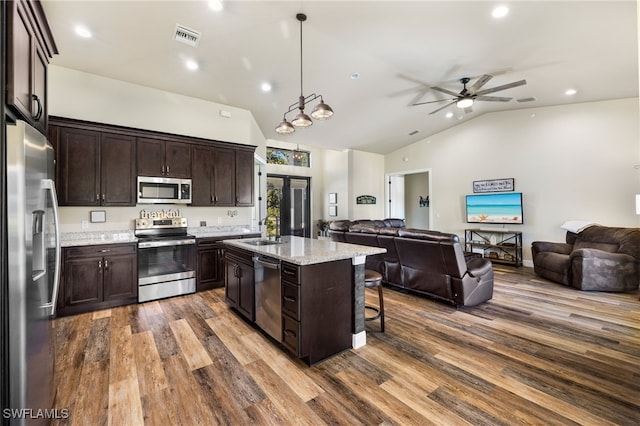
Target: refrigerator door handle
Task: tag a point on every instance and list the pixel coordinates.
(49, 184)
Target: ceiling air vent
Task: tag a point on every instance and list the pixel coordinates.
(530, 99)
(186, 35)
(414, 132)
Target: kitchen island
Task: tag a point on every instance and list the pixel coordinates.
(321, 300)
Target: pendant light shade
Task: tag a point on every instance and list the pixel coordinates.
(321, 111)
(302, 120)
(285, 127)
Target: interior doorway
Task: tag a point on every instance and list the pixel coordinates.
(289, 200)
(409, 197)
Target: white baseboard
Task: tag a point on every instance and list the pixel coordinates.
(359, 340)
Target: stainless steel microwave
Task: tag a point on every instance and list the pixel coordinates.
(157, 190)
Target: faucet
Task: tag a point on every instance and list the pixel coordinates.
(277, 218)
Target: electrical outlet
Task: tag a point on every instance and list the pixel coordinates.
(203, 223)
(84, 224)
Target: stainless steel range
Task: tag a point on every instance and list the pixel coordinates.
(166, 256)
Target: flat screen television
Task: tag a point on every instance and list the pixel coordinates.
(502, 208)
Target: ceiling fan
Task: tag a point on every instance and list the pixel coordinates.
(467, 96)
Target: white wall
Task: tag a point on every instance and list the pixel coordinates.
(572, 162)
(366, 177)
(336, 180)
(84, 96)
(416, 185)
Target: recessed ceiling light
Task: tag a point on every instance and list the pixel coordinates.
(570, 92)
(191, 65)
(354, 76)
(83, 31)
(449, 114)
(500, 12)
(216, 5)
(266, 86)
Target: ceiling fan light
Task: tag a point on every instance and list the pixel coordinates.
(464, 103)
(302, 120)
(322, 111)
(285, 127)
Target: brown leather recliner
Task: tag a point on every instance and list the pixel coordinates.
(599, 258)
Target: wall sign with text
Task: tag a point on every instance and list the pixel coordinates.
(365, 199)
(494, 185)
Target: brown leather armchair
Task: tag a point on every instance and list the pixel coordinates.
(599, 258)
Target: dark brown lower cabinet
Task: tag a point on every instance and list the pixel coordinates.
(211, 261)
(210, 264)
(317, 309)
(239, 288)
(98, 277)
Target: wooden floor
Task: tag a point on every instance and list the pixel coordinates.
(537, 353)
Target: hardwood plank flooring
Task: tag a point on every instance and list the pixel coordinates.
(538, 354)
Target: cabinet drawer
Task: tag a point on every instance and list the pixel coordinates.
(290, 273)
(291, 300)
(210, 242)
(99, 250)
(291, 334)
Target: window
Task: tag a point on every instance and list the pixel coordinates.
(288, 157)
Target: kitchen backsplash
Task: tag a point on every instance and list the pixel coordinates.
(78, 219)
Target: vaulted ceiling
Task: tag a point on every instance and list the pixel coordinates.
(398, 49)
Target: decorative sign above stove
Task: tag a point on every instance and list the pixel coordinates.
(162, 214)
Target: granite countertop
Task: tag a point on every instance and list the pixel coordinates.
(306, 251)
(70, 239)
(87, 238)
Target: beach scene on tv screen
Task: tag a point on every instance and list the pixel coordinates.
(494, 208)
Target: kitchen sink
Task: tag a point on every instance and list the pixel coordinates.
(262, 242)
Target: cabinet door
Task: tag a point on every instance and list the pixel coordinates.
(246, 291)
(232, 284)
(210, 268)
(39, 95)
(178, 160)
(20, 48)
(118, 170)
(83, 281)
(224, 177)
(244, 178)
(120, 277)
(79, 167)
(202, 178)
(150, 157)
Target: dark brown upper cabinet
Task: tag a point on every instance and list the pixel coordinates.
(30, 46)
(95, 168)
(222, 177)
(162, 158)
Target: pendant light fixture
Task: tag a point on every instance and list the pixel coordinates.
(322, 111)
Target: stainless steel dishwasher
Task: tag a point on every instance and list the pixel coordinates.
(268, 298)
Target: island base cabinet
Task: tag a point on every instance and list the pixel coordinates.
(239, 282)
(317, 309)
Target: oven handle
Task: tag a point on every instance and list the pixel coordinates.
(151, 244)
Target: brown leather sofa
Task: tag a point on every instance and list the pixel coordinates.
(599, 258)
(421, 261)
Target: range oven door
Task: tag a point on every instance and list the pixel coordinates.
(166, 267)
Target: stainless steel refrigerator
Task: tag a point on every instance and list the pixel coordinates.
(34, 272)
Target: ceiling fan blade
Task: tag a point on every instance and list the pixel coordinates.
(479, 83)
(448, 92)
(433, 102)
(503, 87)
(492, 98)
(441, 108)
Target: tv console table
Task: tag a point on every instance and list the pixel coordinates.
(496, 245)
